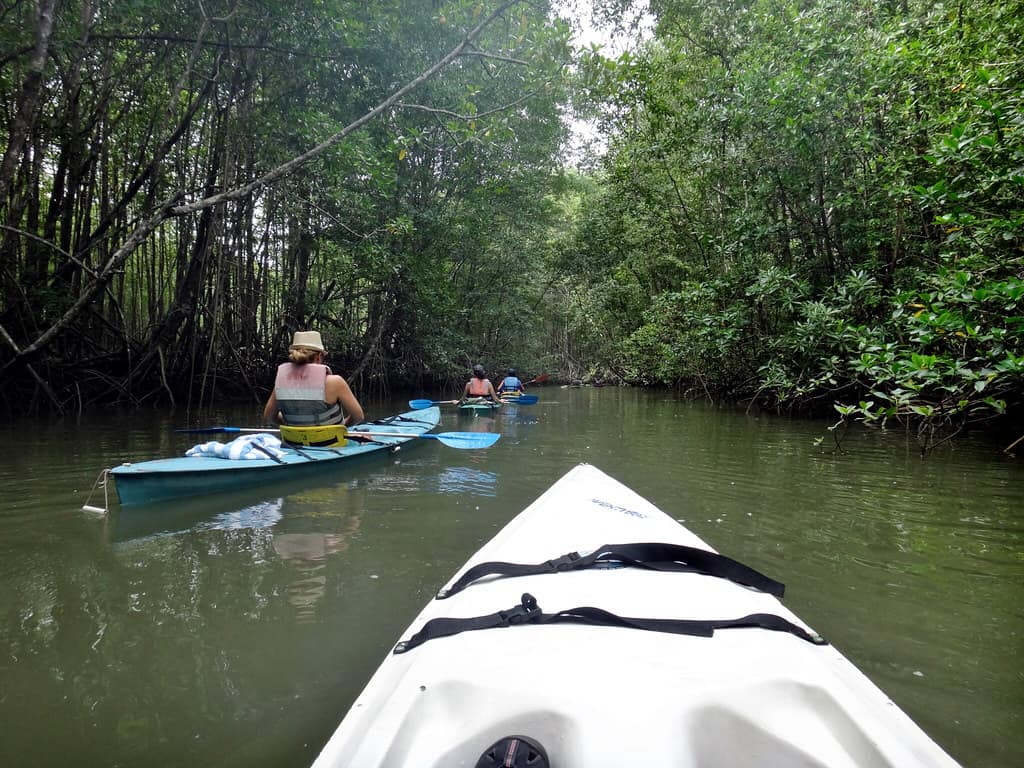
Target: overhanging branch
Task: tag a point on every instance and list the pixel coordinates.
(174, 207)
(461, 116)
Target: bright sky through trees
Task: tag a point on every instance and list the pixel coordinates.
(614, 40)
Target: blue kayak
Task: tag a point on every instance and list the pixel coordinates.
(161, 479)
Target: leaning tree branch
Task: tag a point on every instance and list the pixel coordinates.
(43, 384)
(459, 115)
(295, 163)
(496, 56)
(104, 275)
(70, 257)
(174, 206)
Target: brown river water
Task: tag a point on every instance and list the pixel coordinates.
(235, 630)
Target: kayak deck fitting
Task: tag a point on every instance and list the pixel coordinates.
(616, 684)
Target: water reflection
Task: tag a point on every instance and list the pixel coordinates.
(467, 480)
(145, 632)
(306, 552)
(516, 423)
(426, 477)
(178, 516)
(262, 515)
(478, 422)
(272, 529)
(388, 480)
(512, 422)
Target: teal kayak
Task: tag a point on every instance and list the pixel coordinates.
(555, 647)
(145, 482)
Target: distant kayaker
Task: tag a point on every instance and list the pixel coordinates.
(511, 384)
(479, 386)
(306, 393)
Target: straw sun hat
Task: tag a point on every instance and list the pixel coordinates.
(308, 340)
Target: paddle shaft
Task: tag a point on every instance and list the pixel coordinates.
(349, 432)
(419, 405)
(451, 439)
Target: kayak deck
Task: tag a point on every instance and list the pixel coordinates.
(479, 405)
(161, 479)
(608, 696)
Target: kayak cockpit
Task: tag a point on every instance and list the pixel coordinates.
(586, 712)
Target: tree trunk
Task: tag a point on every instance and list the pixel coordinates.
(26, 115)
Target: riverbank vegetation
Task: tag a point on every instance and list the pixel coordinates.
(815, 206)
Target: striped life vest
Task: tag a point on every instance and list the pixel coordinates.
(300, 392)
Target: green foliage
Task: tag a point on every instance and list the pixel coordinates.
(814, 203)
(416, 244)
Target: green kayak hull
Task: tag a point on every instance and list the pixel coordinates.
(482, 407)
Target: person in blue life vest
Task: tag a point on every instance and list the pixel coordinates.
(511, 384)
(306, 392)
(479, 387)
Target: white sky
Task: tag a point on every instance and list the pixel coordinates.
(585, 138)
(579, 14)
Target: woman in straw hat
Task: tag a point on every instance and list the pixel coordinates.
(306, 393)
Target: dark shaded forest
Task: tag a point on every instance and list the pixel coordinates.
(185, 184)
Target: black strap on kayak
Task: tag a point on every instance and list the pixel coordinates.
(297, 447)
(528, 612)
(652, 556)
(355, 437)
(391, 420)
(264, 450)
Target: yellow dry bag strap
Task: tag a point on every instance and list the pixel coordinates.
(328, 435)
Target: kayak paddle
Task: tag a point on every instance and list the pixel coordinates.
(223, 430)
(466, 440)
(539, 379)
(463, 440)
(419, 405)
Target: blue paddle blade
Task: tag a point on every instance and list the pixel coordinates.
(419, 405)
(466, 440)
